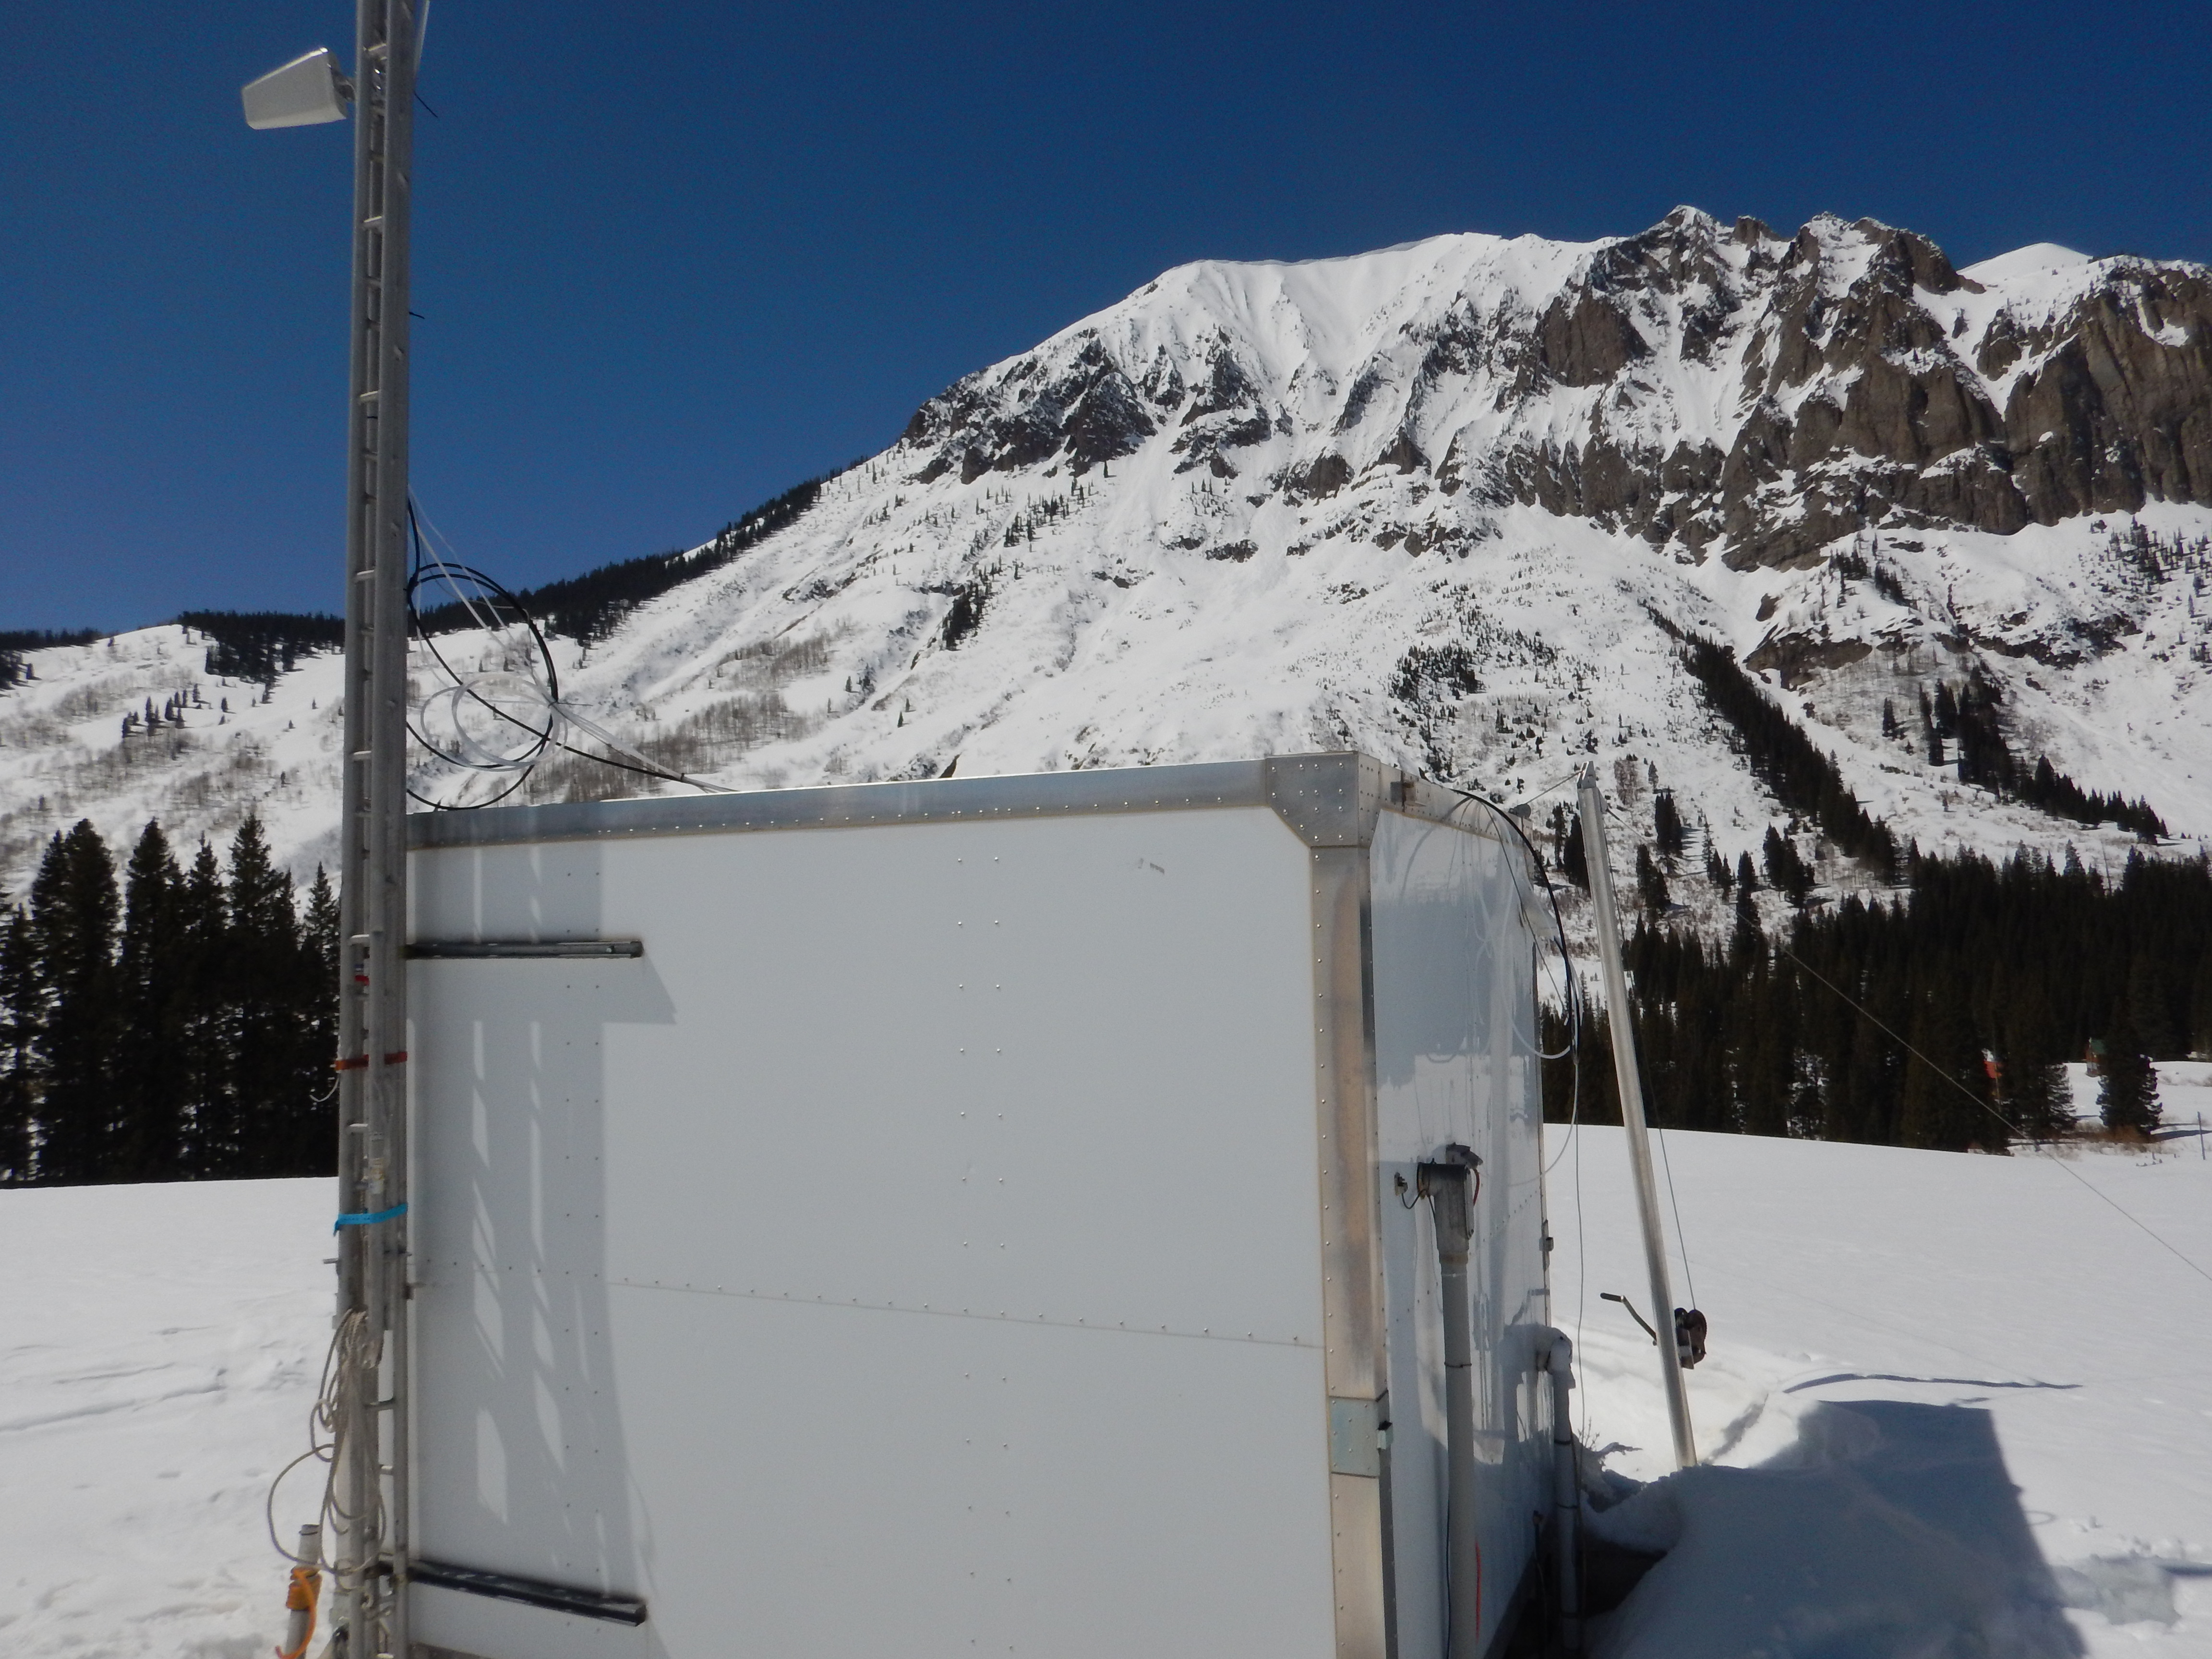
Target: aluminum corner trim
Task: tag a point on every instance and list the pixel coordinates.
(1330, 801)
(1355, 1516)
(1344, 1072)
(1339, 799)
(1352, 1298)
(1327, 800)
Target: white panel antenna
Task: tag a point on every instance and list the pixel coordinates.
(304, 92)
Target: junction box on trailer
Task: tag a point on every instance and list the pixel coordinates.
(968, 1217)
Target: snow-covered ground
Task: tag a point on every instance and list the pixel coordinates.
(1899, 1338)
(159, 1350)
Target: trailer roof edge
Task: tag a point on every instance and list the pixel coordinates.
(1330, 799)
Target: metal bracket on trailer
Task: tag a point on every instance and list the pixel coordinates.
(448, 950)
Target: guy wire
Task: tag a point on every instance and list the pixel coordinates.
(1681, 1239)
(1991, 1110)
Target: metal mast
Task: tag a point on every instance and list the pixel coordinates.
(371, 1547)
(1600, 859)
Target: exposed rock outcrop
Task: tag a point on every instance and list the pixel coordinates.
(1722, 390)
(1864, 398)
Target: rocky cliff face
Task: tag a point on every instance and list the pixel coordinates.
(1727, 390)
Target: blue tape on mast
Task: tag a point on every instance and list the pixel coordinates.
(367, 1218)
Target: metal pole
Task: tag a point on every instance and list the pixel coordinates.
(371, 1553)
(1592, 802)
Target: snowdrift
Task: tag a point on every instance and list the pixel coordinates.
(1954, 1405)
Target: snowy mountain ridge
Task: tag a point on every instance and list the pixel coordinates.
(1451, 502)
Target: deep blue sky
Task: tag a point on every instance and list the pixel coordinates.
(673, 257)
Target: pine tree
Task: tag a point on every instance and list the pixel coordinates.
(149, 1085)
(1601, 1101)
(268, 1025)
(1762, 1031)
(1651, 884)
(1866, 1070)
(316, 1148)
(2149, 1009)
(21, 1009)
(2036, 1095)
(73, 921)
(2129, 1100)
(1577, 863)
(1785, 868)
(1716, 871)
(320, 935)
(1944, 1081)
(211, 1131)
(1748, 939)
(1803, 778)
(1668, 829)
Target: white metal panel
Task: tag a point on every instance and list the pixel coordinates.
(705, 1233)
(518, 1435)
(1455, 1061)
(480, 1628)
(1013, 1068)
(937, 1485)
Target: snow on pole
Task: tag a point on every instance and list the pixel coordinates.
(1631, 1109)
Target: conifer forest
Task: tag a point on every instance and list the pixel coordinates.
(1934, 1004)
(175, 1019)
(1939, 1017)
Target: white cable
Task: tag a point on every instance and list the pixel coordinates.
(345, 1358)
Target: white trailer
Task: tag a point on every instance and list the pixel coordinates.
(981, 1216)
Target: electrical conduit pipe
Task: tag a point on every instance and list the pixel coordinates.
(1450, 1183)
(1446, 1183)
(1555, 1355)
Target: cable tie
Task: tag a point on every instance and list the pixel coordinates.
(396, 1057)
(367, 1218)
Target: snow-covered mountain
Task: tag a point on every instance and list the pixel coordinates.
(1451, 502)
